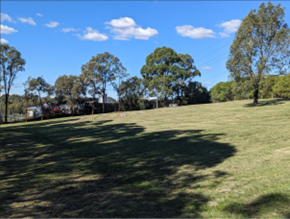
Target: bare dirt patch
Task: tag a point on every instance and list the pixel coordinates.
(102, 116)
(80, 119)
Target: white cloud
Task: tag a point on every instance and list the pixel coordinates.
(52, 24)
(6, 17)
(2, 40)
(27, 20)
(69, 29)
(125, 28)
(195, 33)
(91, 34)
(208, 83)
(123, 22)
(206, 68)
(229, 27)
(7, 30)
(38, 14)
(223, 35)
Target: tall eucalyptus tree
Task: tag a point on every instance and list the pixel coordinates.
(261, 46)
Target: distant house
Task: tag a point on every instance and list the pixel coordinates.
(101, 98)
(149, 98)
(34, 112)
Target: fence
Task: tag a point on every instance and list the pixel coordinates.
(15, 117)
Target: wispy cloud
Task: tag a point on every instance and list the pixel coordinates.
(207, 83)
(7, 30)
(125, 28)
(229, 27)
(27, 20)
(194, 32)
(6, 17)
(69, 29)
(2, 40)
(91, 34)
(52, 24)
(206, 68)
(38, 14)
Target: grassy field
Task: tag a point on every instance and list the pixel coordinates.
(212, 160)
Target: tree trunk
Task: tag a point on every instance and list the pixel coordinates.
(93, 105)
(119, 101)
(26, 111)
(157, 103)
(103, 107)
(6, 107)
(256, 95)
(41, 107)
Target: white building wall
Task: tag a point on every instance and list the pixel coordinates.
(101, 98)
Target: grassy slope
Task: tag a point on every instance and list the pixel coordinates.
(213, 160)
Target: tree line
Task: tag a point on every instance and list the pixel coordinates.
(259, 56)
(166, 76)
(271, 86)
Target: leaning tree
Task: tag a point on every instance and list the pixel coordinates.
(10, 64)
(261, 46)
(104, 68)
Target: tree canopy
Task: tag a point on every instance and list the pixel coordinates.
(69, 88)
(104, 68)
(165, 68)
(10, 64)
(261, 46)
(40, 86)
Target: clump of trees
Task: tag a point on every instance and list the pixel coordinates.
(271, 86)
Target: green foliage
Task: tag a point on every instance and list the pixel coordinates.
(165, 70)
(102, 70)
(69, 89)
(266, 86)
(282, 86)
(261, 46)
(10, 64)
(39, 86)
(194, 93)
(222, 92)
(132, 93)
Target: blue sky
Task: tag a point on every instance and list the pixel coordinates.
(57, 38)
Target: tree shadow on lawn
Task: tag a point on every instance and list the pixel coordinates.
(275, 203)
(268, 102)
(106, 170)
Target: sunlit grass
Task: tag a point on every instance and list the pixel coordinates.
(211, 160)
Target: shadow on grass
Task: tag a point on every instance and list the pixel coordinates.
(275, 203)
(98, 169)
(269, 102)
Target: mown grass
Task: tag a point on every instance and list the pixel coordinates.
(211, 160)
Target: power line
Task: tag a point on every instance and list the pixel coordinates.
(214, 76)
(219, 58)
(209, 47)
(213, 52)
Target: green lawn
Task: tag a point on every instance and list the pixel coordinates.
(212, 160)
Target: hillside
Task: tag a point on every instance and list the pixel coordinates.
(209, 160)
